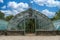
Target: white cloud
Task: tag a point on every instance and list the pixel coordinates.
(16, 5)
(6, 11)
(3, 7)
(48, 13)
(1, 1)
(40, 2)
(15, 8)
(12, 4)
(22, 5)
(31, 1)
(53, 3)
(49, 3)
(9, 12)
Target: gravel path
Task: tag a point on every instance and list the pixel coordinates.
(29, 37)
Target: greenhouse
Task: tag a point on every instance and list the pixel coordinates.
(30, 21)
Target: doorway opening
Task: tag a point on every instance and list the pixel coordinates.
(30, 26)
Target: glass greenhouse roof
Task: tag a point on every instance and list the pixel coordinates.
(3, 24)
(57, 24)
(42, 22)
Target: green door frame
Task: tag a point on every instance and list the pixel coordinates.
(25, 25)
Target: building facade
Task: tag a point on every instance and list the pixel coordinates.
(30, 21)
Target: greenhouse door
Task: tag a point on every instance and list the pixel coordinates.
(30, 26)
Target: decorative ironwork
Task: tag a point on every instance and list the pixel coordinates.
(41, 22)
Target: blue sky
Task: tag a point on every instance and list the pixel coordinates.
(13, 7)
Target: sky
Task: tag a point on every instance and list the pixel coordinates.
(13, 7)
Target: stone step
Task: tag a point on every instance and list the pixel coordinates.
(31, 34)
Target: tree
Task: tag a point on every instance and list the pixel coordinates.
(57, 16)
(9, 17)
(2, 15)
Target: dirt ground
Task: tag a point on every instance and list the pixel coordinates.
(29, 37)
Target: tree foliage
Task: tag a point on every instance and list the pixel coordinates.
(57, 16)
(9, 17)
(2, 15)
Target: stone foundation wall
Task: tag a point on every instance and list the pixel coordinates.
(46, 33)
(11, 33)
(15, 33)
(37, 33)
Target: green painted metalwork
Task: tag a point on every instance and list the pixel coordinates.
(42, 22)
